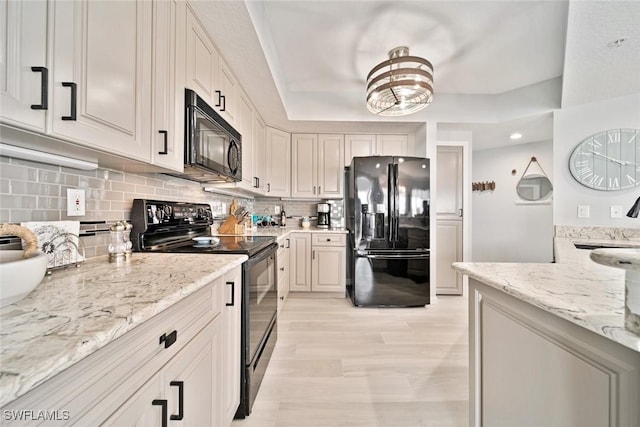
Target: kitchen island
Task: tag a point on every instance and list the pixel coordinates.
(69, 323)
(548, 346)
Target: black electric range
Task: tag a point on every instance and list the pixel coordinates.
(171, 227)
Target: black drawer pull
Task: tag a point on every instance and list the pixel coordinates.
(163, 403)
(180, 385)
(164, 132)
(74, 100)
(168, 340)
(44, 88)
(219, 98)
(233, 293)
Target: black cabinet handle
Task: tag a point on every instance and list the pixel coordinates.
(44, 88)
(180, 385)
(224, 103)
(268, 188)
(219, 98)
(163, 403)
(168, 340)
(258, 178)
(74, 100)
(281, 268)
(166, 146)
(288, 243)
(256, 182)
(233, 293)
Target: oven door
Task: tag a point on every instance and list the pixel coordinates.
(262, 299)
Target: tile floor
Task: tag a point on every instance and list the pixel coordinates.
(337, 365)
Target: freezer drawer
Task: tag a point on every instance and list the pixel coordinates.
(391, 280)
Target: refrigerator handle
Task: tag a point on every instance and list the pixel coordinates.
(391, 202)
(396, 201)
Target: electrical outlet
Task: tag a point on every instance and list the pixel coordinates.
(75, 202)
(583, 211)
(277, 210)
(615, 211)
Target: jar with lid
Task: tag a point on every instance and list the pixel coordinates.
(120, 243)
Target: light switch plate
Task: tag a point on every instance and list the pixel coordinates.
(616, 211)
(75, 202)
(583, 211)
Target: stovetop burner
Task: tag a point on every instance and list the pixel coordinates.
(163, 226)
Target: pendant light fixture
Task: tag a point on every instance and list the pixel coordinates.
(401, 85)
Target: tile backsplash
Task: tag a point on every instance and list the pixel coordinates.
(31, 191)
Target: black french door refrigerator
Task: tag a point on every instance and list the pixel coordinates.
(387, 210)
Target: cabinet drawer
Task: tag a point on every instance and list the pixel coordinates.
(101, 379)
(328, 239)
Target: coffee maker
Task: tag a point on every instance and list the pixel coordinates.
(324, 220)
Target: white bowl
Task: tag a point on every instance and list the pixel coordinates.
(19, 276)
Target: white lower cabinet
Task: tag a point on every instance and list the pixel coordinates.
(179, 368)
(282, 263)
(231, 345)
(317, 262)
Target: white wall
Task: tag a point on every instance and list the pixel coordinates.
(503, 229)
(572, 125)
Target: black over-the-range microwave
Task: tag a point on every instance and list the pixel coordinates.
(213, 148)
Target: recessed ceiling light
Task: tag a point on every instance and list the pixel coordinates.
(618, 42)
(515, 135)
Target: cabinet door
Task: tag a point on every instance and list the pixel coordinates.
(283, 272)
(167, 145)
(300, 262)
(278, 163)
(228, 87)
(139, 410)
(23, 45)
(328, 269)
(392, 145)
(260, 154)
(201, 60)
(245, 127)
(330, 161)
(449, 165)
(192, 382)
(101, 75)
(304, 165)
(231, 345)
(358, 146)
(449, 244)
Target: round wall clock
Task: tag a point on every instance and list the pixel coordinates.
(608, 160)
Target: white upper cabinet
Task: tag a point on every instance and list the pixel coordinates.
(330, 155)
(24, 77)
(392, 145)
(101, 69)
(304, 165)
(245, 127)
(317, 165)
(278, 163)
(227, 92)
(375, 145)
(259, 154)
(358, 146)
(167, 136)
(201, 61)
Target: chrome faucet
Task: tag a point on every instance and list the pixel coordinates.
(635, 209)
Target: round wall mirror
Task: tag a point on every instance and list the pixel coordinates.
(534, 187)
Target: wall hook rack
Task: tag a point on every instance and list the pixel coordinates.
(483, 186)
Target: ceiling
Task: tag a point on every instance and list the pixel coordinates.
(499, 66)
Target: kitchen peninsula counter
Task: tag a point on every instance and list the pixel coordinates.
(75, 312)
(548, 345)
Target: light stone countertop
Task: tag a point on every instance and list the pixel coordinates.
(77, 311)
(574, 288)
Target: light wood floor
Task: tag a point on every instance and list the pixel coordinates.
(338, 365)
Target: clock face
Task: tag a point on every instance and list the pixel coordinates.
(608, 160)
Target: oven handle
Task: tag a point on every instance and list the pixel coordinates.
(270, 250)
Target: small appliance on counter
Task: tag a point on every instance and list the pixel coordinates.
(324, 215)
